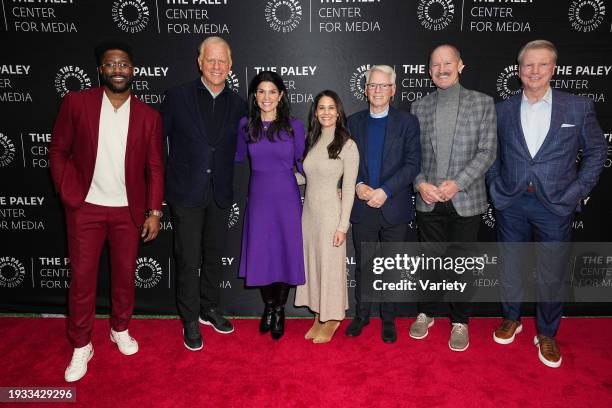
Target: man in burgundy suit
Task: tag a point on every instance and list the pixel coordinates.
(106, 164)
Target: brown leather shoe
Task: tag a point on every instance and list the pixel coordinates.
(505, 332)
(548, 351)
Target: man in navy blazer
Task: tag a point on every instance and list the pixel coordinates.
(536, 186)
(200, 121)
(389, 160)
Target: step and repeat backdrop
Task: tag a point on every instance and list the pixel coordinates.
(47, 51)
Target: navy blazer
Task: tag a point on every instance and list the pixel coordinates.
(196, 159)
(559, 183)
(401, 163)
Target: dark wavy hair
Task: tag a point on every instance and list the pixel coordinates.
(254, 127)
(341, 134)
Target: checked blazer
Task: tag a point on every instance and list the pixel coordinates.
(472, 152)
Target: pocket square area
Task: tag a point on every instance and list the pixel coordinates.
(567, 125)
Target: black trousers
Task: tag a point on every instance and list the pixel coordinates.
(443, 224)
(199, 242)
(374, 228)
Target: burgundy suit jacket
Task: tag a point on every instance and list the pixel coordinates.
(74, 146)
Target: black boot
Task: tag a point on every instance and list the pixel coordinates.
(278, 317)
(267, 293)
(278, 322)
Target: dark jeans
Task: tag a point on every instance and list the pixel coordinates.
(526, 220)
(199, 242)
(443, 224)
(374, 228)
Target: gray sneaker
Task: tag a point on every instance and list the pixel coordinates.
(419, 329)
(459, 338)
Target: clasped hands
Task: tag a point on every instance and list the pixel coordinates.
(375, 197)
(437, 194)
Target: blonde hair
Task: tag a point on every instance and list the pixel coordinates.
(214, 40)
(537, 45)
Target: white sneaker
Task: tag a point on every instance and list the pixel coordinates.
(78, 365)
(126, 343)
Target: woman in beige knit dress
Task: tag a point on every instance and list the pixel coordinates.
(330, 156)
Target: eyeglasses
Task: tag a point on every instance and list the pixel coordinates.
(113, 65)
(384, 87)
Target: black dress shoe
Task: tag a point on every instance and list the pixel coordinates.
(389, 334)
(192, 336)
(277, 326)
(356, 326)
(266, 318)
(214, 318)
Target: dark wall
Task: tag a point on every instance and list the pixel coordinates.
(48, 50)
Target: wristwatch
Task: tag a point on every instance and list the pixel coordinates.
(156, 213)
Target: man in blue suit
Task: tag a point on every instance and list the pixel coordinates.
(389, 160)
(200, 122)
(536, 186)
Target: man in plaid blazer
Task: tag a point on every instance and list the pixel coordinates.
(458, 144)
(536, 187)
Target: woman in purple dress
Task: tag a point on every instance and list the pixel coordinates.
(272, 254)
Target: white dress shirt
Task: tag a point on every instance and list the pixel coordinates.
(535, 121)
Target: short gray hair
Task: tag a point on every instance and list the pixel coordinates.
(385, 69)
(537, 44)
(215, 40)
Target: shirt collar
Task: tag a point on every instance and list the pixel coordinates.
(546, 98)
(213, 94)
(379, 115)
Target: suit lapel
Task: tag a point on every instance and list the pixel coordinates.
(518, 126)
(133, 129)
(556, 118)
(193, 106)
(429, 108)
(362, 125)
(94, 108)
(390, 134)
(463, 112)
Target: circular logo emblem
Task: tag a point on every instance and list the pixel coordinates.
(283, 15)
(7, 151)
(488, 217)
(586, 15)
(148, 273)
(232, 81)
(357, 82)
(12, 272)
(71, 78)
(435, 15)
(234, 215)
(508, 82)
(132, 16)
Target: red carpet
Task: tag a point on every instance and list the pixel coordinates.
(249, 369)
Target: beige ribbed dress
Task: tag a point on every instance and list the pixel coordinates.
(325, 290)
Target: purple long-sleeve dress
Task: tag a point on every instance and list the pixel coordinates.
(272, 249)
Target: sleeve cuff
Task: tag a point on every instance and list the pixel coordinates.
(386, 190)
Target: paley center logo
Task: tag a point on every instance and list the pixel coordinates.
(148, 273)
(232, 81)
(131, 16)
(71, 78)
(507, 81)
(357, 82)
(7, 150)
(12, 272)
(234, 215)
(283, 15)
(586, 15)
(489, 217)
(435, 15)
